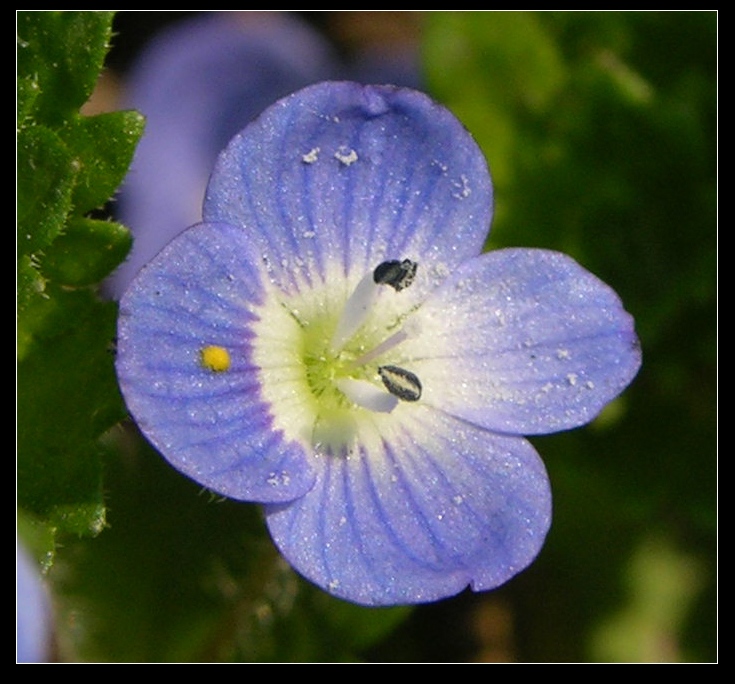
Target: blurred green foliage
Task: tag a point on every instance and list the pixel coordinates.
(600, 131)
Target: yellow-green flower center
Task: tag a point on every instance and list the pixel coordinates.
(325, 359)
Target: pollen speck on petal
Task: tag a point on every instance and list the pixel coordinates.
(311, 156)
(199, 405)
(215, 358)
(346, 155)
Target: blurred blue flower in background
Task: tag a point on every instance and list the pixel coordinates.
(200, 82)
(33, 612)
(331, 343)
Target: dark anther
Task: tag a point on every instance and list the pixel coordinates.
(400, 382)
(398, 274)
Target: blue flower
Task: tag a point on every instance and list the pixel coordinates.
(330, 342)
(33, 610)
(200, 82)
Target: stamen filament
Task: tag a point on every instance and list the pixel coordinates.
(367, 395)
(355, 311)
(394, 340)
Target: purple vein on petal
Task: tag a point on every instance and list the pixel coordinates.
(400, 542)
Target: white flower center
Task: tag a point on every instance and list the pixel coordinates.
(330, 356)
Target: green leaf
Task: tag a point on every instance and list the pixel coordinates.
(46, 175)
(28, 90)
(68, 165)
(30, 284)
(479, 45)
(103, 147)
(63, 52)
(358, 627)
(87, 252)
(496, 71)
(67, 396)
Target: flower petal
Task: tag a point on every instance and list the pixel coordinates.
(198, 83)
(185, 369)
(423, 508)
(356, 175)
(34, 619)
(523, 341)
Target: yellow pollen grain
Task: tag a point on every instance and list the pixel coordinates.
(214, 358)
